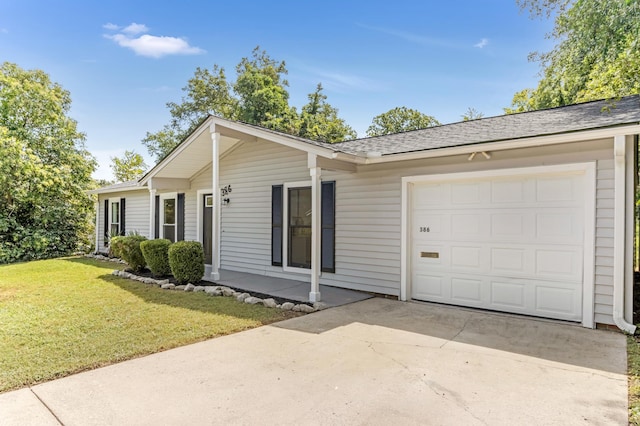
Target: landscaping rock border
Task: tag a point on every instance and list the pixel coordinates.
(105, 258)
(223, 291)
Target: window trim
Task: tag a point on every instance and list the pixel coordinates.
(163, 197)
(112, 201)
(285, 226)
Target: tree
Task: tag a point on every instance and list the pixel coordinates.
(128, 167)
(44, 169)
(400, 119)
(258, 96)
(471, 114)
(320, 121)
(521, 102)
(597, 55)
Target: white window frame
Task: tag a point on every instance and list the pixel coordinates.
(163, 197)
(285, 227)
(113, 201)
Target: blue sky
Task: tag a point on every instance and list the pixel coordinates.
(123, 61)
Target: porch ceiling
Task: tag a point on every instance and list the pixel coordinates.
(195, 156)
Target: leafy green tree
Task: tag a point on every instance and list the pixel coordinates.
(400, 119)
(521, 102)
(258, 96)
(597, 54)
(45, 169)
(128, 167)
(320, 121)
(471, 114)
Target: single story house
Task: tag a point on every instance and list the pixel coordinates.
(530, 213)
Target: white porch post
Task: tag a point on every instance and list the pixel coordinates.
(215, 184)
(316, 186)
(97, 248)
(152, 213)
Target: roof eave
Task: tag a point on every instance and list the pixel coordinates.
(578, 136)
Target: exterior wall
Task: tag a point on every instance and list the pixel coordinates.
(251, 169)
(368, 210)
(368, 214)
(136, 213)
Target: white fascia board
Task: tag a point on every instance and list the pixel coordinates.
(181, 147)
(107, 190)
(272, 137)
(579, 136)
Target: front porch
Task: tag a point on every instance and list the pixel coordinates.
(287, 288)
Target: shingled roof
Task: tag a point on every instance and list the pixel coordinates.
(566, 119)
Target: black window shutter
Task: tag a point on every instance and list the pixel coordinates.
(180, 218)
(156, 222)
(328, 226)
(122, 216)
(106, 222)
(276, 224)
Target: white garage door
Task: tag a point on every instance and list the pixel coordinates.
(510, 243)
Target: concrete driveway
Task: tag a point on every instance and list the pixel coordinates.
(372, 362)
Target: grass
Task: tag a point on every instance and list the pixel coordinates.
(63, 316)
(633, 365)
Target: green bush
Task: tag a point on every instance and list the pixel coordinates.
(128, 249)
(116, 245)
(156, 254)
(186, 259)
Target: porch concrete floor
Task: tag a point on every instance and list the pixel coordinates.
(288, 289)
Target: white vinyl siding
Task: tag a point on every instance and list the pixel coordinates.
(136, 213)
(368, 210)
(251, 169)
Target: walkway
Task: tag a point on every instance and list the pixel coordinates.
(288, 289)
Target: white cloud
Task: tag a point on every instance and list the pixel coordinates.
(482, 43)
(111, 27)
(150, 45)
(134, 29)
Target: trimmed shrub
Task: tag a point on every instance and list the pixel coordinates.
(128, 249)
(186, 259)
(116, 245)
(156, 254)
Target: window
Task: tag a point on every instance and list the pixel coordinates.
(114, 218)
(299, 227)
(169, 219)
(291, 226)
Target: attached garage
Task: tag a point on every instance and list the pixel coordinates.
(515, 240)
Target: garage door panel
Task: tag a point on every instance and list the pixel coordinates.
(565, 264)
(467, 193)
(431, 287)
(508, 243)
(558, 302)
(509, 295)
(466, 257)
(508, 192)
(558, 189)
(508, 260)
(467, 291)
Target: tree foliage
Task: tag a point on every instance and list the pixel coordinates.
(597, 54)
(471, 114)
(128, 167)
(400, 119)
(44, 168)
(257, 96)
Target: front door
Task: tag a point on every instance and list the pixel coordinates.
(207, 201)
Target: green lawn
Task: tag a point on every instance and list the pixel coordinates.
(62, 316)
(633, 363)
